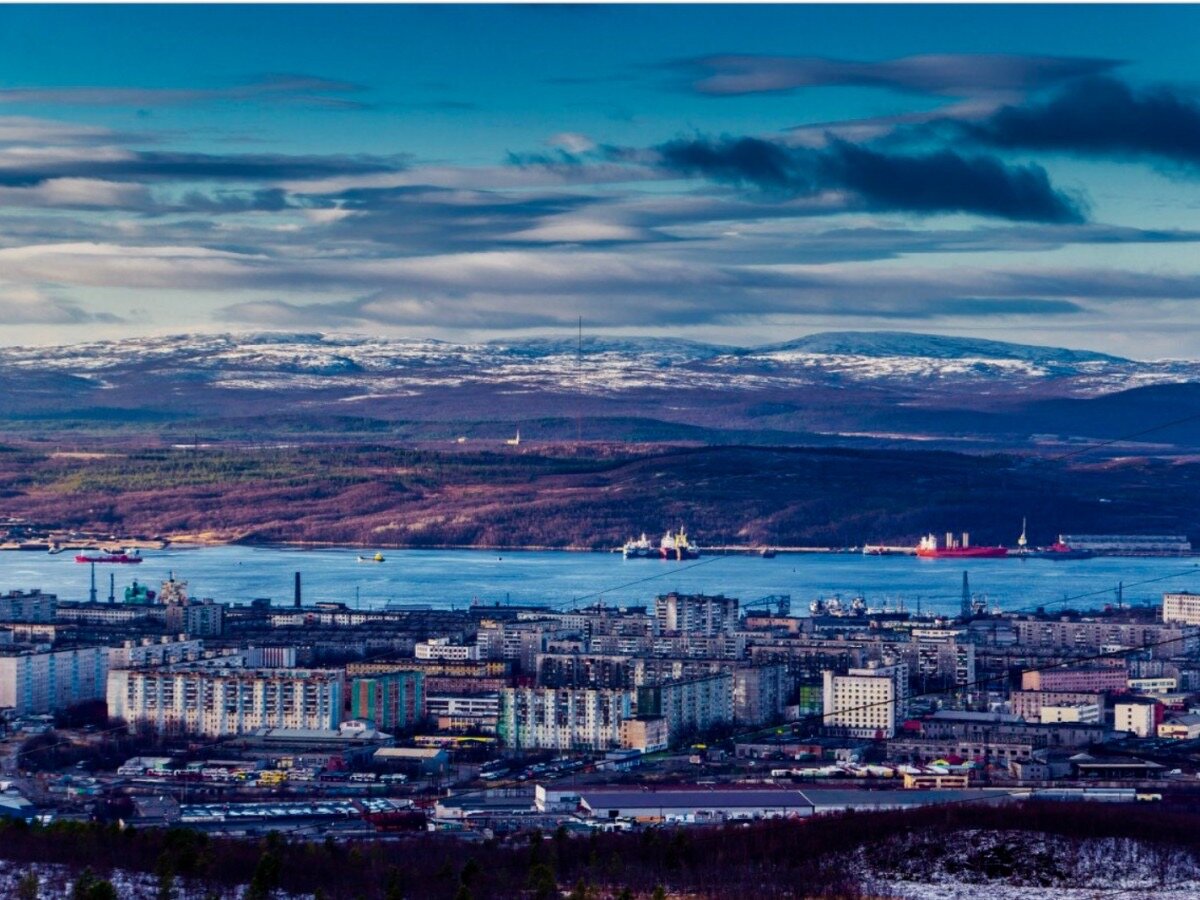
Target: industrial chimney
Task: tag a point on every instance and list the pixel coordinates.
(296, 600)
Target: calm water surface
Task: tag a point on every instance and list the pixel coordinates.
(453, 578)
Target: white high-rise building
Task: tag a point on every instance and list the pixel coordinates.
(195, 698)
(563, 718)
(1181, 607)
(867, 702)
(1139, 718)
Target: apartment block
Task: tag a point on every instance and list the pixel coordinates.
(1083, 678)
(697, 614)
(1182, 607)
(759, 693)
(393, 701)
(212, 701)
(563, 718)
(27, 606)
(689, 705)
(1139, 718)
(36, 680)
(1028, 704)
(867, 702)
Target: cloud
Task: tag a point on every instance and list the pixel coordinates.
(29, 130)
(21, 305)
(572, 142)
(26, 165)
(943, 181)
(272, 88)
(1103, 117)
(77, 193)
(955, 74)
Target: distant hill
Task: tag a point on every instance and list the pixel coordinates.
(857, 389)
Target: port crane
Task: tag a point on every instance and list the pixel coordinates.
(781, 602)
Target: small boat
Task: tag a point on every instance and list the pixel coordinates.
(377, 558)
(767, 552)
(110, 556)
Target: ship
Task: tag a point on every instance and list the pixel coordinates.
(676, 546)
(928, 548)
(110, 556)
(637, 549)
(1061, 550)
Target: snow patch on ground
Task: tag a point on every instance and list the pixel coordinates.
(1014, 865)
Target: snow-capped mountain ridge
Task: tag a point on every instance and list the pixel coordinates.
(604, 364)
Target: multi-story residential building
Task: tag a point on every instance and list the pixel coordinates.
(1158, 685)
(697, 614)
(689, 705)
(463, 712)
(1182, 607)
(1080, 679)
(867, 702)
(392, 701)
(442, 649)
(27, 606)
(1028, 704)
(196, 618)
(808, 659)
(38, 680)
(942, 655)
(649, 734)
(592, 670)
(759, 693)
(147, 652)
(563, 718)
(1141, 718)
(222, 700)
(1075, 712)
(1163, 639)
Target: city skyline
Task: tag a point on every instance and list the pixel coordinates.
(729, 175)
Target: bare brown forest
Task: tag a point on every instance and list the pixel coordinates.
(381, 495)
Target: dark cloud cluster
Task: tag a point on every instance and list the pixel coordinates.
(1100, 117)
(938, 182)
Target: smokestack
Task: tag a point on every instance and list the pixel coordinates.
(966, 539)
(297, 594)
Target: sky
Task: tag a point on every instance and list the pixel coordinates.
(734, 174)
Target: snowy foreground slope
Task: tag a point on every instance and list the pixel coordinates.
(1023, 866)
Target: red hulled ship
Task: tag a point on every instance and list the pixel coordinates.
(928, 548)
